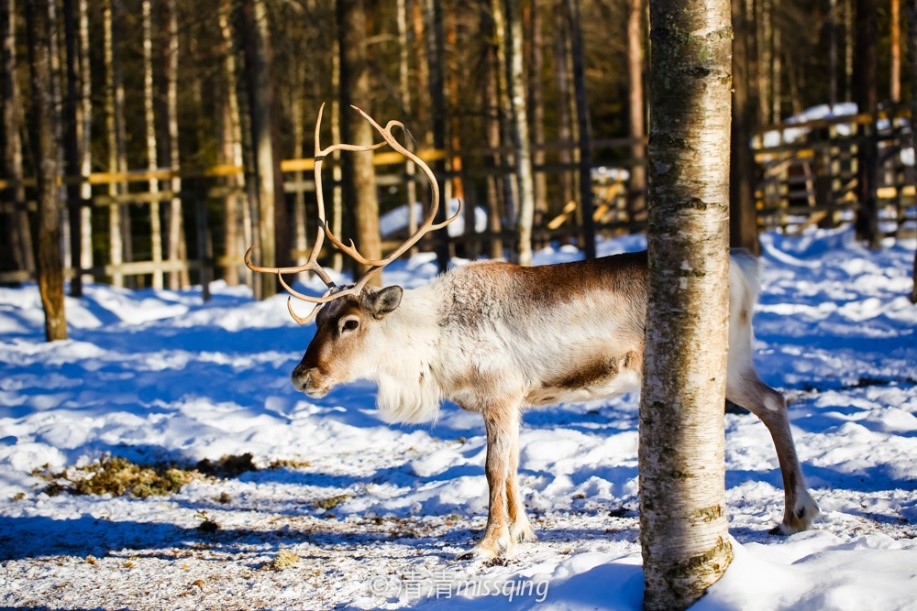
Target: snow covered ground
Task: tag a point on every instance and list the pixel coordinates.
(346, 511)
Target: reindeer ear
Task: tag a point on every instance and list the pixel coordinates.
(384, 301)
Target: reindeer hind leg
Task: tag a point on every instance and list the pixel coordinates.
(769, 405)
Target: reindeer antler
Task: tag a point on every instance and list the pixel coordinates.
(311, 264)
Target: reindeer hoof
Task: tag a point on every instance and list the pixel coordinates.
(487, 550)
(522, 532)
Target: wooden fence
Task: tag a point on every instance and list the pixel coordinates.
(806, 175)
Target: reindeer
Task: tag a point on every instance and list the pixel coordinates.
(496, 338)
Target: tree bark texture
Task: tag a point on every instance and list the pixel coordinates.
(683, 527)
(44, 119)
(359, 172)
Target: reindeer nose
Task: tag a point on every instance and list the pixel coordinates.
(301, 378)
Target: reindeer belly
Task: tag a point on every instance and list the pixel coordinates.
(589, 379)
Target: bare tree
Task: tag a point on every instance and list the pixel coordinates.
(683, 528)
(44, 122)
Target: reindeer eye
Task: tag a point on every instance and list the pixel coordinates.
(351, 324)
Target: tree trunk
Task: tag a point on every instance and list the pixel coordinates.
(743, 222)
(85, 135)
(359, 172)
(504, 111)
(582, 122)
(522, 143)
(152, 157)
(564, 119)
(536, 106)
(71, 112)
(866, 96)
(636, 102)
(683, 527)
(492, 130)
(44, 120)
(113, 118)
(260, 100)
(231, 139)
(15, 219)
(912, 69)
(404, 87)
(178, 249)
(436, 62)
(894, 43)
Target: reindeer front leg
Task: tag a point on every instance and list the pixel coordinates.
(506, 521)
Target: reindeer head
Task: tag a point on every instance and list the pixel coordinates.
(348, 320)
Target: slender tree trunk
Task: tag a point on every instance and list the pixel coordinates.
(636, 102)
(71, 112)
(231, 137)
(422, 73)
(337, 172)
(112, 130)
(743, 222)
(85, 136)
(44, 120)
(260, 99)
(16, 218)
(911, 8)
(492, 129)
(436, 61)
(765, 37)
(832, 52)
(149, 117)
(683, 526)
(866, 97)
(536, 107)
(522, 143)
(178, 249)
(849, 45)
(564, 119)
(894, 43)
(505, 111)
(582, 122)
(404, 86)
(359, 172)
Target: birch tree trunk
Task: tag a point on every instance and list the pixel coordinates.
(522, 143)
(178, 249)
(112, 130)
(683, 527)
(359, 172)
(231, 138)
(152, 157)
(44, 120)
